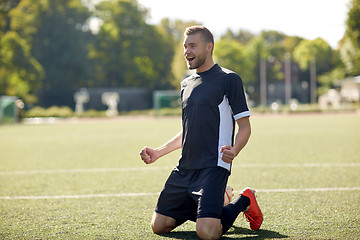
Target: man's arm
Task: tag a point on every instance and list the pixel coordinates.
(149, 155)
(242, 137)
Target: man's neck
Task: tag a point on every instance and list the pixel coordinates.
(206, 66)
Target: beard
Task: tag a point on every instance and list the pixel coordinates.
(197, 62)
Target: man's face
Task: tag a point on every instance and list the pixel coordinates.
(194, 51)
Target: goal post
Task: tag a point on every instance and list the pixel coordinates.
(166, 99)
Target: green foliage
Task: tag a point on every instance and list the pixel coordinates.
(178, 66)
(272, 37)
(26, 13)
(350, 56)
(53, 111)
(231, 54)
(20, 73)
(243, 36)
(91, 113)
(350, 44)
(291, 42)
(316, 49)
(62, 112)
(328, 80)
(353, 23)
(66, 112)
(127, 51)
(5, 8)
(255, 50)
(58, 38)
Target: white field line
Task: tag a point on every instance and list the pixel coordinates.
(77, 196)
(82, 170)
(152, 168)
(155, 194)
(307, 189)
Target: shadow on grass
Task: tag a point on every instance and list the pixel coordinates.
(250, 234)
(244, 232)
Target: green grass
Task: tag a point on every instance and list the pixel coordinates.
(284, 152)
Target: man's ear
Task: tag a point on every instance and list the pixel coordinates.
(210, 47)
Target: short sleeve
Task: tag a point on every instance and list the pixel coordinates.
(234, 91)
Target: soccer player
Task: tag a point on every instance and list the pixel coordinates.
(213, 100)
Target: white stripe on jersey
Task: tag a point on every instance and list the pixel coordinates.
(241, 115)
(226, 128)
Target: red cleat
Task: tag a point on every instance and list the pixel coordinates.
(253, 214)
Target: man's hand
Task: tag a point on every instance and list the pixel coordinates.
(228, 153)
(149, 155)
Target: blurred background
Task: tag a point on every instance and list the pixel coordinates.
(105, 57)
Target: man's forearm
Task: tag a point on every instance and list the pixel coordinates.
(241, 140)
(243, 135)
(170, 146)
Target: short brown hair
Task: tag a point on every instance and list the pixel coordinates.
(205, 33)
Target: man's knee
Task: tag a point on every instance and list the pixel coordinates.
(158, 228)
(208, 228)
(162, 224)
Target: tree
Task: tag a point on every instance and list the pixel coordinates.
(127, 52)
(255, 50)
(325, 58)
(353, 23)
(271, 37)
(290, 43)
(268, 45)
(350, 56)
(328, 80)
(58, 36)
(20, 73)
(5, 8)
(243, 36)
(318, 50)
(350, 44)
(232, 55)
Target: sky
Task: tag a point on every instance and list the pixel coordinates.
(309, 19)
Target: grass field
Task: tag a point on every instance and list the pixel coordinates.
(85, 180)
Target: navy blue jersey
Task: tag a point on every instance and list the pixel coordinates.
(211, 102)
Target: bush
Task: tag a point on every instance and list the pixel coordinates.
(92, 113)
(54, 111)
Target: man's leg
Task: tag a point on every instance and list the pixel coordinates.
(246, 202)
(210, 198)
(213, 228)
(162, 224)
(174, 201)
(208, 228)
(232, 210)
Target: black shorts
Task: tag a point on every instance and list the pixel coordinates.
(192, 194)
